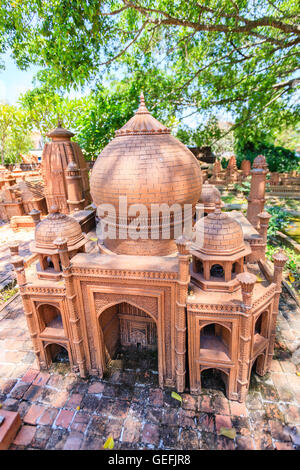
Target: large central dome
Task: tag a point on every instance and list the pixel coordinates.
(145, 163)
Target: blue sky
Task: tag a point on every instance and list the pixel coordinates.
(13, 81)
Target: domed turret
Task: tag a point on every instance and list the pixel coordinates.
(210, 195)
(218, 250)
(145, 163)
(56, 225)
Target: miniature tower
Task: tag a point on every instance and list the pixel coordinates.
(231, 170)
(246, 168)
(256, 199)
(61, 181)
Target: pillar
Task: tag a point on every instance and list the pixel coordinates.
(18, 264)
(279, 260)
(61, 244)
(247, 282)
(264, 218)
(183, 246)
(256, 198)
(74, 187)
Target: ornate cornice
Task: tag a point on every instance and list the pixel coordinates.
(124, 274)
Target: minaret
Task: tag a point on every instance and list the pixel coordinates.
(183, 246)
(279, 259)
(256, 199)
(247, 281)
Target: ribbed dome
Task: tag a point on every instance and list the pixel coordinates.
(209, 194)
(54, 226)
(148, 165)
(218, 233)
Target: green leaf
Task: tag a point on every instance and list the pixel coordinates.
(176, 396)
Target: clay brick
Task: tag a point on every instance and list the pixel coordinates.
(32, 415)
(19, 390)
(8, 428)
(156, 397)
(48, 416)
(223, 421)
(131, 430)
(64, 418)
(74, 401)
(25, 435)
(96, 388)
(30, 376)
(41, 379)
(74, 441)
(238, 409)
(150, 434)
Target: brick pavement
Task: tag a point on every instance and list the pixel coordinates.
(61, 411)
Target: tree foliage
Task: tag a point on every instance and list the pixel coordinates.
(14, 133)
(241, 55)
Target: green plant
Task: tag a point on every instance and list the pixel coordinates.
(278, 221)
(243, 187)
(278, 158)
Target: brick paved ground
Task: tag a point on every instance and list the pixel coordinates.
(61, 411)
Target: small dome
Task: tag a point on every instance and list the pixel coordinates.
(54, 226)
(218, 234)
(209, 194)
(59, 133)
(260, 162)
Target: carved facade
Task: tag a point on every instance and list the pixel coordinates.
(196, 302)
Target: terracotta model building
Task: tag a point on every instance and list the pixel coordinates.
(65, 171)
(195, 301)
(21, 198)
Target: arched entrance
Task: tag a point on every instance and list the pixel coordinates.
(215, 379)
(56, 353)
(128, 338)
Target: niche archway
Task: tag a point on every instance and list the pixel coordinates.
(215, 342)
(49, 316)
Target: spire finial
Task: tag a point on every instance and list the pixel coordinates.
(142, 107)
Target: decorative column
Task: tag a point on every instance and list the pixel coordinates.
(18, 264)
(183, 246)
(36, 216)
(279, 259)
(77, 339)
(256, 198)
(74, 187)
(247, 281)
(264, 218)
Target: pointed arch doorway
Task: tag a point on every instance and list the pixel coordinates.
(129, 335)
